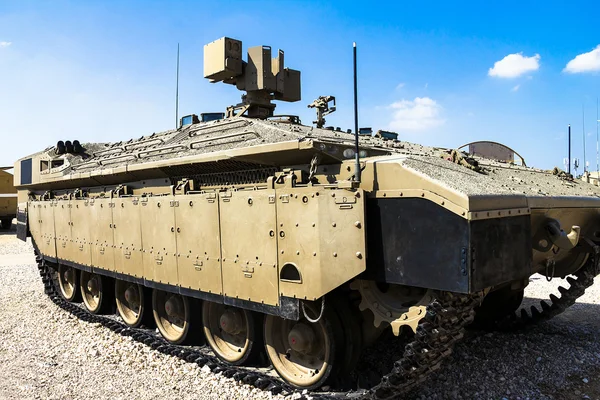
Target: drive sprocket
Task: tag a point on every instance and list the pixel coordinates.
(396, 305)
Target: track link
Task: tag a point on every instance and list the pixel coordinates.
(442, 326)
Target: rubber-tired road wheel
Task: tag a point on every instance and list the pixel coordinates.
(172, 315)
(302, 353)
(132, 304)
(96, 292)
(233, 333)
(68, 283)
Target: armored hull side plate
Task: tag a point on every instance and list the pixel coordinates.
(128, 237)
(62, 226)
(80, 231)
(41, 226)
(318, 228)
(101, 233)
(47, 244)
(159, 240)
(198, 242)
(249, 245)
(33, 218)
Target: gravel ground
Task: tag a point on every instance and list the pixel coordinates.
(47, 354)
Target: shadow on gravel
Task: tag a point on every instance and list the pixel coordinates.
(11, 231)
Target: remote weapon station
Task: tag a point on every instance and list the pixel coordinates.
(259, 235)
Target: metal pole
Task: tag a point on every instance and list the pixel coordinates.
(569, 159)
(583, 125)
(177, 92)
(597, 150)
(356, 147)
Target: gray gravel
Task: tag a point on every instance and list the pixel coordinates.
(47, 354)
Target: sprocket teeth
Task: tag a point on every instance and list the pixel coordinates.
(377, 320)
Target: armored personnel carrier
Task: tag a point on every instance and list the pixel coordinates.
(8, 199)
(261, 235)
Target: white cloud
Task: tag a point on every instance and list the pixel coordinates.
(400, 86)
(586, 62)
(514, 65)
(5, 44)
(515, 88)
(415, 115)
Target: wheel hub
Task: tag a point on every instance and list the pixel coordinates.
(172, 306)
(301, 338)
(231, 322)
(92, 285)
(397, 305)
(131, 295)
(68, 275)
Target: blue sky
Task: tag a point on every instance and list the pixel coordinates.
(437, 73)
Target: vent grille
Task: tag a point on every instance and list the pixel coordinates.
(222, 173)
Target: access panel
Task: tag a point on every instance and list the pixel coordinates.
(249, 245)
(198, 243)
(159, 239)
(62, 227)
(47, 242)
(321, 239)
(80, 231)
(33, 218)
(101, 233)
(128, 236)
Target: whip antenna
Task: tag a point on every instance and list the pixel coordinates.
(356, 148)
(583, 125)
(177, 92)
(569, 159)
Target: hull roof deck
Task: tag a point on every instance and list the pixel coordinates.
(271, 143)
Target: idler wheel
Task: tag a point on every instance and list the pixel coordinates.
(302, 353)
(232, 333)
(172, 315)
(94, 292)
(67, 282)
(131, 303)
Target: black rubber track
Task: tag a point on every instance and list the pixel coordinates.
(442, 326)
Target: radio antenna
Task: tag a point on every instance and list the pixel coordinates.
(177, 92)
(356, 147)
(583, 125)
(569, 155)
(597, 149)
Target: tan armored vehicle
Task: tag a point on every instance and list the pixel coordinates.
(8, 199)
(254, 229)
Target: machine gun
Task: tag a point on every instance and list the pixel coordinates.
(323, 109)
